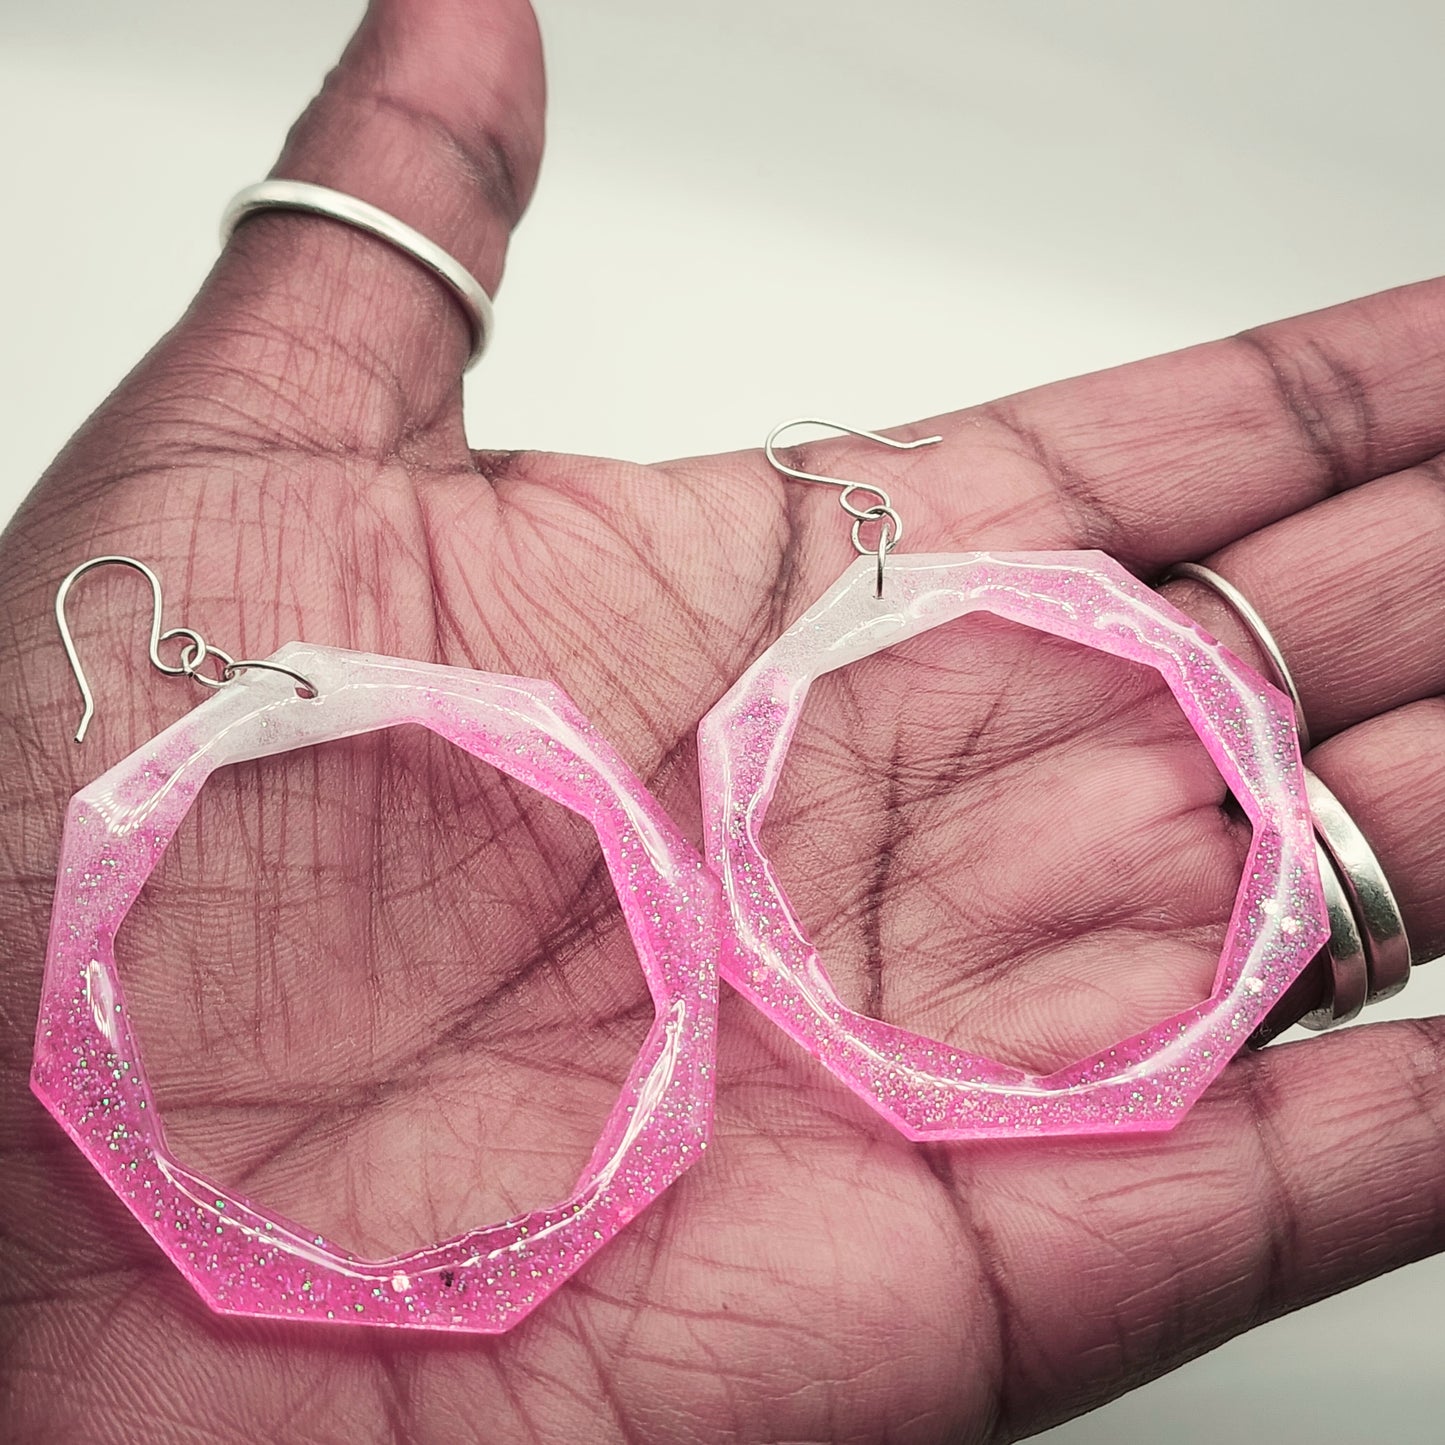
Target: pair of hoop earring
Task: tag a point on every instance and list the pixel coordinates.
(691, 919)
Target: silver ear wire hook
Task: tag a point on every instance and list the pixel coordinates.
(881, 510)
(194, 654)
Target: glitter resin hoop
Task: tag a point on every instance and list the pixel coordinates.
(931, 1090)
(243, 1259)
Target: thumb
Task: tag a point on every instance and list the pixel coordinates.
(434, 114)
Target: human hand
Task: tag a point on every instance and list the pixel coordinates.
(388, 992)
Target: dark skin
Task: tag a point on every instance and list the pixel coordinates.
(388, 992)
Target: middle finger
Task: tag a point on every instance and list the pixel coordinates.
(1351, 588)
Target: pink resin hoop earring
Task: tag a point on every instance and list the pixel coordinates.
(242, 1259)
(928, 1089)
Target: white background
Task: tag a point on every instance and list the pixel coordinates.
(753, 209)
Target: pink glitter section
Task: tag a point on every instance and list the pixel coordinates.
(244, 1260)
(928, 1089)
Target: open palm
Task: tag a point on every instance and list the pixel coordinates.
(389, 992)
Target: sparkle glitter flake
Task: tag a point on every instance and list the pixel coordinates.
(928, 1089)
(243, 1260)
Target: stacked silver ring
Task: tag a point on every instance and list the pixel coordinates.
(1367, 957)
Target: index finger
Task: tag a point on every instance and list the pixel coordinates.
(1176, 456)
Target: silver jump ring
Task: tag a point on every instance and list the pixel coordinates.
(193, 660)
(248, 664)
(891, 530)
(1255, 625)
(283, 195)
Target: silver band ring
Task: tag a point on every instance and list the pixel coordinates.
(1345, 951)
(282, 195)
(1381, 924)
(1255, 624)
(1368, 949)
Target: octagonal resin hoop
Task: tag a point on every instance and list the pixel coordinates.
(243, 1259)
(931, 1090)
